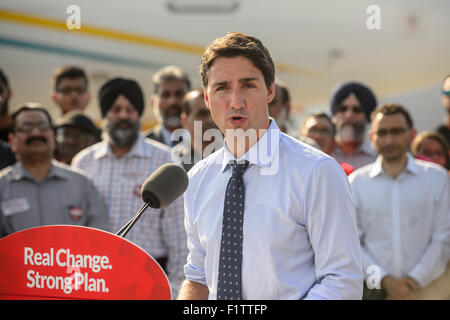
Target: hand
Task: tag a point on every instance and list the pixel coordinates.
(399, 288)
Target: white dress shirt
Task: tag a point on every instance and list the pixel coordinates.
(160, 232)
(403, 223)
(299, 232)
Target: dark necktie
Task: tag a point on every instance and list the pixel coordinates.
(230, 263)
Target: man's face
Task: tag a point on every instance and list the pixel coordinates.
(169, 99)
(391, 136)
(122, 122)
(237, 95)
(321, 131)
(71, 94)
(277, 109)
(350, 121)
(71, 140)
(446, 95)
(199, 113)
(33, 137)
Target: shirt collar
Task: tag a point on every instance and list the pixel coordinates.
(377, 167)
(364, 148)
(262, 153)
(104, 149)
(166, 135)
(20, 172)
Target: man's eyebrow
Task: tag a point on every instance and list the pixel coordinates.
(248, 79)
(220, 83)
(242, 80)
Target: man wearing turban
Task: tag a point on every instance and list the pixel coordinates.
(351, 105)
(120, 164)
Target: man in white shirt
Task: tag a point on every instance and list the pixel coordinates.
(298, 236)
(402, 207)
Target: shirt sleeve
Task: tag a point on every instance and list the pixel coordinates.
(174, 237)
(331, 224)
(433, 261)
(194, 268)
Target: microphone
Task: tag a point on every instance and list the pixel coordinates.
(161, 188)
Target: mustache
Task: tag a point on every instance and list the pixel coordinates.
(38, 138)
(237, 112)
(118, 123)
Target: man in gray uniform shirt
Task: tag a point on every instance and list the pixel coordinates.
(38, 190)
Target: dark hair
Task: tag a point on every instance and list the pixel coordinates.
(187, 100)
(436, 136)
(238, 44)
(4, 78)
(68, 72)
(392, 108)
(170, 73)
(323, 115)
(284, 90)
(5, 82)
(30, 107)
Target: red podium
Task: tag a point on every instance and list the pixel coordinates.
(72, 262)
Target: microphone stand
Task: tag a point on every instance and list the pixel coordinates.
(124, 230)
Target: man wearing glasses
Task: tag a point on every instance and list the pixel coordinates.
(38, 190)
(351, 105)
(402, 207)
(444, 129)
(70, 89)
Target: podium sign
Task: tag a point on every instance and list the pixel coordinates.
(72, 262)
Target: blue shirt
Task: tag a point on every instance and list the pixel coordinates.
(300, 238)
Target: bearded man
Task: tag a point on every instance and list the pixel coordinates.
(120, 164)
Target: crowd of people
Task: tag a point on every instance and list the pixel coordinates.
(70, 171)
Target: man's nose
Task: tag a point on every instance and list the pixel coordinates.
(237, 99)
(123, 114)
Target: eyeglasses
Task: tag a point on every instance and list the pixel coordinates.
(27, 127)
(446, 93)
(355, 109)
(396, 132)
(68, 90)
(322, 131)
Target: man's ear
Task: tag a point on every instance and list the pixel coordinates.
(206, 98)
(53, 97)
(89, 98)
(270, 93)
(11, 142)
(371, 137)
(412, 134)
(183, 119)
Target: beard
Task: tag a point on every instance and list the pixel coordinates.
(123, 137)
(349, 131)
(172, 116)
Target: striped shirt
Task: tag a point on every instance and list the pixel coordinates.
(160, 232)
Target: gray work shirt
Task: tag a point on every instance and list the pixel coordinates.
(65, 196)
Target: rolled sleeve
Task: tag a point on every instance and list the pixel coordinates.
(333, 234)
(194, 269)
